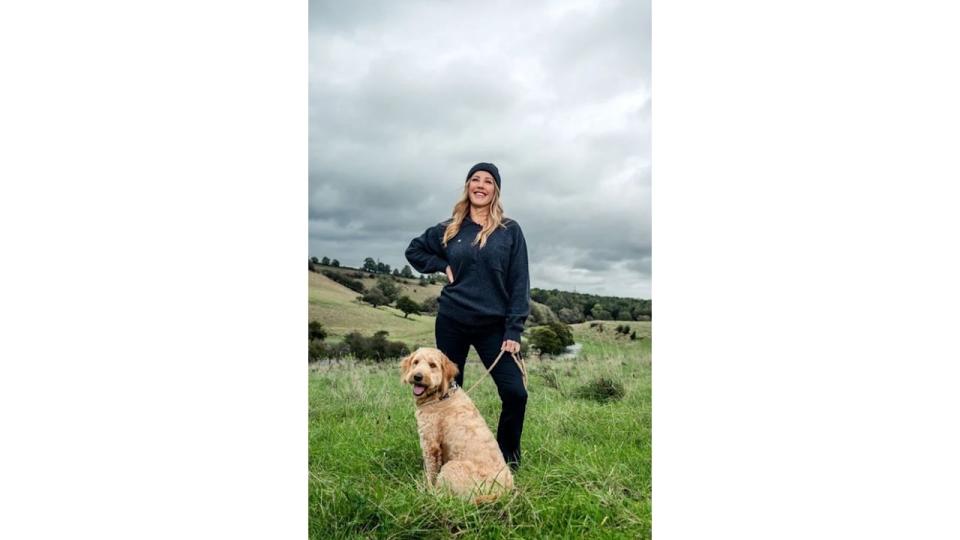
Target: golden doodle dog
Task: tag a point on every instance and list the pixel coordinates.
(459, 451)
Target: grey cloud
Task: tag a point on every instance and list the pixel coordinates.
(401, 106)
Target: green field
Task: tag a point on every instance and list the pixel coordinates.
(586, 464)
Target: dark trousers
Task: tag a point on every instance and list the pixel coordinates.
(455, 339)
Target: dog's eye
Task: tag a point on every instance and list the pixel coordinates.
(415, 362)
(432, 365)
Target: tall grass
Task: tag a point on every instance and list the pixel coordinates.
(586, 464)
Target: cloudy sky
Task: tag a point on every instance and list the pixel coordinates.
(406, 96)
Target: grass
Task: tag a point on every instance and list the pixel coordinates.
(586, 465)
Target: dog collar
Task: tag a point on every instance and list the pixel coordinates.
(453, 388)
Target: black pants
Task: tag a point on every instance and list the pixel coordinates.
(455, 339)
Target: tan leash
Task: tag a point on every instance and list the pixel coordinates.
(516, 358)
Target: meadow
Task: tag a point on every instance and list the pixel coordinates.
(586, 463)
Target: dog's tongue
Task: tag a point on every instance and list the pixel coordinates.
(417, 389)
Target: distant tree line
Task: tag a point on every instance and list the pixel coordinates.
(324, 262)
(573, 307)
(377, 267)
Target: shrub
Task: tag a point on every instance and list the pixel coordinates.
(540, 314)
(316, 331)
(344, 280)
(570, 316)
(315, 350)
(430, 305)
(545, 340)
(319, 350)
(375, 347)
(633, 335)
(563, 332)
(602, 390)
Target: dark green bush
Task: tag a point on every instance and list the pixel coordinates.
(316, 331)
(564, 332)
(545, 340)
(344, 280)
(602, 390)
(375, 347)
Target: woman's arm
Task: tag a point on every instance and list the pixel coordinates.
(425, 253)
(518, 286)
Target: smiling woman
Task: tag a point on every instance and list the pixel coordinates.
(488, 298)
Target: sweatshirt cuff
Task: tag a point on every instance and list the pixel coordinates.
(439, 265)
(512, 334)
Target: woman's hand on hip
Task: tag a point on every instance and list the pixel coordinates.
(510, 346)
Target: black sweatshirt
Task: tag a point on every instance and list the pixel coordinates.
(488, 284)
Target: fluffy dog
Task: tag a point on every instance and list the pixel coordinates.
(459, 451)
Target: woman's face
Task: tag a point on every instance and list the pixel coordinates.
(481, 188)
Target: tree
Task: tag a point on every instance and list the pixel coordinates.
(316, 331)
(314, 260)
(408, 306)
(407, 272)
(570, 315)
(388, 288)
(599, 312)
(335, 263)
(325, 261)
(423, 281)
(369, 264)
(375, 297)
(396, 272)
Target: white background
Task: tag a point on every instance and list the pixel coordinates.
(153, 228)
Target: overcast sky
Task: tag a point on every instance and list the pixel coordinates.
(406, 96)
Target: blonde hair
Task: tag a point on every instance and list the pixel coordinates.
(460, 211)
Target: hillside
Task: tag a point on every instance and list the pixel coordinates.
(340, 312)
(409, 287)
(337, 308)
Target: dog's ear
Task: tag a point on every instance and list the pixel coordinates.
(405, 366)
(450, 369)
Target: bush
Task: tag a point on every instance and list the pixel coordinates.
(545, 340)
(319, 350)
(602, 390)
(316, 331)
(570, 316)
(430, 305)
(375, 297)
(376, 347)
(540, 314)
(344, 280)
(315, 350)
(623, 329)
(564, 332)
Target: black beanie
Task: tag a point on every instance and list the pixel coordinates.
(489, 167)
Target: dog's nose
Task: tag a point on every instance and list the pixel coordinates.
(418, 377)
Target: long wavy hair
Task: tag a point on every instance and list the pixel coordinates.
(462, 209)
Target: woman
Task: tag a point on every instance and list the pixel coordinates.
(487, 298)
